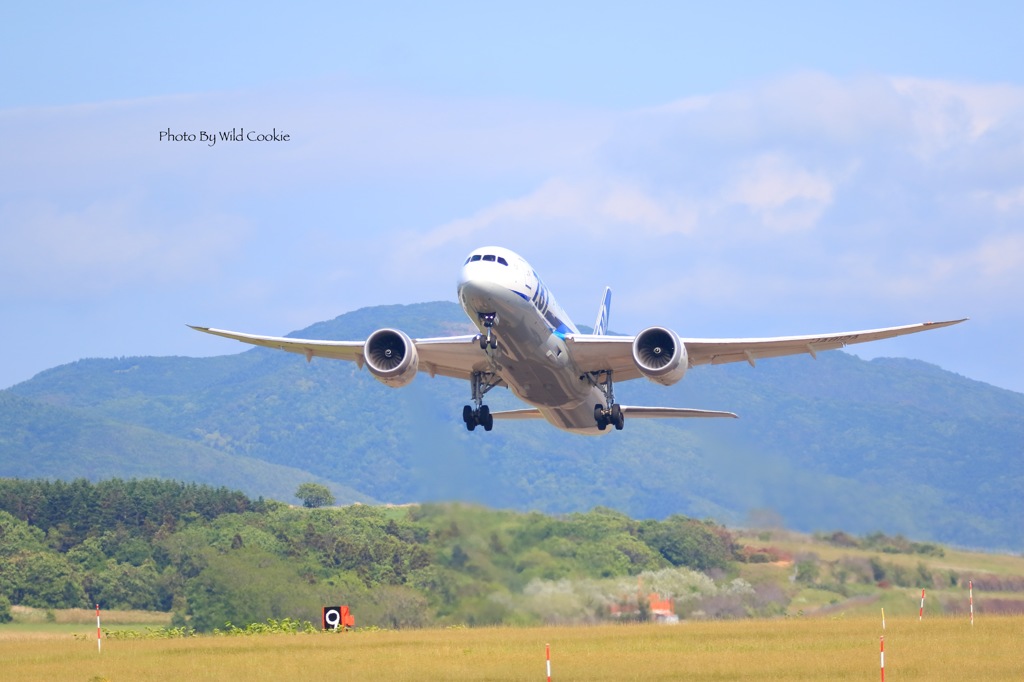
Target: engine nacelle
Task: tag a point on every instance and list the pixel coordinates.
(391, 357)
(660, 355)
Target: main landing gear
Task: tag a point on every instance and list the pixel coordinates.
(611, 412)
(481, 414)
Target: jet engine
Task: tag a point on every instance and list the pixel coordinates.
(391, 357)
(660, 355)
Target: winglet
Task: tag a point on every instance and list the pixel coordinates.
(601, 326)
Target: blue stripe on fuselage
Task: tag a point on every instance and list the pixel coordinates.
(558, 327)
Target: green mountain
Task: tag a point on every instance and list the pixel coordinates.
(39, 440)
(893, 445)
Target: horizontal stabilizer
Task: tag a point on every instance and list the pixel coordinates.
(630, 411)
(529, 413)
(636, 412)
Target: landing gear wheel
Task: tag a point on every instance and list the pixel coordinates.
(600, 418)
(475, 418)
(617, 418)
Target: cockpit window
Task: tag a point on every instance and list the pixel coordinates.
(490, 258)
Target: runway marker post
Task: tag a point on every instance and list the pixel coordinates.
(970, 587)
(547, 655)
(920, 613)
(881, 655)
(99, 633)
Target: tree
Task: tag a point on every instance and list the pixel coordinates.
(314, 495)
(41, 579)
(688, 542)
(246, 586)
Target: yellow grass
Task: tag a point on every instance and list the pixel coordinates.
(790, 649)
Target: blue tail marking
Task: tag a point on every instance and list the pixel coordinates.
(601, 326)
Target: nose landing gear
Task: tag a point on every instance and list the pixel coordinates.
(488, 340)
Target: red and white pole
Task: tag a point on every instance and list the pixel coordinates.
(881, 655)
(920, 613)
(970, 587)
(547, 654)
(99, 633)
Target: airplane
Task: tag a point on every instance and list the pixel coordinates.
(527, 343)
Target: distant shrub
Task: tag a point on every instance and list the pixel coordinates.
(807, 571)
(761, 555)
(927, 548)
(151, 633)
(272, 626)
(840, 539)
(899, 545)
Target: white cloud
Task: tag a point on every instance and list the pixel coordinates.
(1000, 258)
(107, 244)
(1003, 201)
(785, 196)
(944, 111)
(600, 207)
(870, 194)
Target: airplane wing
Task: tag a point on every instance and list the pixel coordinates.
(451, 356)
(594, 353)
(721, 351)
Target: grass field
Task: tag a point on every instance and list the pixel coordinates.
(939, 648)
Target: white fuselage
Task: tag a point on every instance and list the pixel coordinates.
(530, 327)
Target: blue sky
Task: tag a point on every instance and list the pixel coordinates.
(730, 169)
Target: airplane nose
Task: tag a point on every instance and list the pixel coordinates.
(479, 293)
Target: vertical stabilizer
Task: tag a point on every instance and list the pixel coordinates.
(601, 326)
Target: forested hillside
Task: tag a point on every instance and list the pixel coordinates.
(213, 556)
(891, 445)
